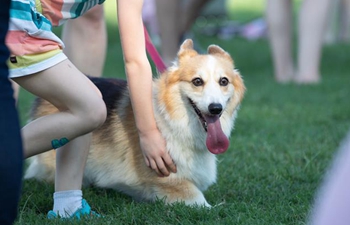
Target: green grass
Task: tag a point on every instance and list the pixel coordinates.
(247, 10)
(284, 140)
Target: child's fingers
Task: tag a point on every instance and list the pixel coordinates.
(147, 161)
(153, 165)
(169, 163)
(162, 168)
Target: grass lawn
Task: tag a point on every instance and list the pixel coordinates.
(284, 140)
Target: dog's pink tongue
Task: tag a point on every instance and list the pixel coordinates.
(217, 142)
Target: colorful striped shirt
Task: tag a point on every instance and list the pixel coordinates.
(30, 31)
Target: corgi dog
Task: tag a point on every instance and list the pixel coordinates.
(195, 105)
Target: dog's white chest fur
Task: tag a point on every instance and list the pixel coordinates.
(185, 139)
(200, 169)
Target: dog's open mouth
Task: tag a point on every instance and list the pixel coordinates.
(216, 141)
(201, 118)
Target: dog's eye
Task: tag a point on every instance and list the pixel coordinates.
(197, 82)
(223, 81)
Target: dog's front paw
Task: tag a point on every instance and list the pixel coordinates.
(199, 201)
(206, 204)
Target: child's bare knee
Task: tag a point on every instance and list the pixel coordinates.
(97, 114)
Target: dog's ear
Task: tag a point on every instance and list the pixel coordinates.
(186, 50)
(216, 50)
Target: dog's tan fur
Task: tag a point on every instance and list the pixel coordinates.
(115, 159)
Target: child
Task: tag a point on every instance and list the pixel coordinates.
(38, 64)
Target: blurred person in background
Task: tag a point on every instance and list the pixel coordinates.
(311, 27)
(85, 40)
(175, 18)
(332, 202)
(338, 26)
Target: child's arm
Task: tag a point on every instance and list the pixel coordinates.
(139, 75)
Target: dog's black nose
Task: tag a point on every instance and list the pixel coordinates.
(215, 108)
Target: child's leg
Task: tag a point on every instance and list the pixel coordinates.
(70, 165)
(279, 19)
(79, 101)
(81, 111)
(16, 90)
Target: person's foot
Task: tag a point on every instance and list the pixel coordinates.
(84, 211)
(284, 74)
(314, 79)
(284, 79)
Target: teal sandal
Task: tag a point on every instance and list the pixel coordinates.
(85, 211)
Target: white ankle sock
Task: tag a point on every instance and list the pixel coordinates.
(67, 202)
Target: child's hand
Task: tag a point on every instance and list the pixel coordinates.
(155, 153)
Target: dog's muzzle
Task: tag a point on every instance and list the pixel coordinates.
(216, 140)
